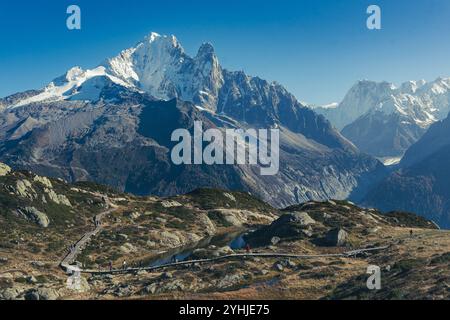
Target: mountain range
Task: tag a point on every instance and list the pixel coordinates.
(384, 120)
(112, 125)
(421, 181)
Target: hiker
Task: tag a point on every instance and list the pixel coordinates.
(124, 265)
(411, 233)
(248, 248)
(110, 266)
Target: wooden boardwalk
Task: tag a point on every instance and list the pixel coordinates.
(242, 256)
(81, 244)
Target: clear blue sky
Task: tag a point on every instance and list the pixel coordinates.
(316, 48)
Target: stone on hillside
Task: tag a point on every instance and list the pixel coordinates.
(263, 272)
(32, 214)
(230, 280)
(24, 189)
(4, 169)
(135, 215)
(308, 232)
(128, 248)
(44, 181)
(9, 294)
(230, 196)
(278, 267)
(373, 230)
(122, 236)
(171, 204)
(151, 289)
(275, 240)
(301, 218)
(63, 200)
(336, 237)
(166, 275)
(224, 251)
(296, 225)
(57, 198)
(42, 294)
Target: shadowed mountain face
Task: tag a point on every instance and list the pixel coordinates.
(421, 185)
(383, 135)
(113, 125)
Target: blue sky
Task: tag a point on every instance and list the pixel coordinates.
(316, 48)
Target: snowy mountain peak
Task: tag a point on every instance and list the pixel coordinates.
(153, 36)
(206, 49)
(421, 102)
(157, 65)
(410, 87)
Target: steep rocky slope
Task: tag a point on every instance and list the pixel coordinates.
(421, 183)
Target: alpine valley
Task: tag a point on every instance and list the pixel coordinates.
(113, 125)
(92, 206)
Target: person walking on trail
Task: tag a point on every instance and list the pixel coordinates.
(124, 265)
(411, 233)
(248, 248)
(110, 266)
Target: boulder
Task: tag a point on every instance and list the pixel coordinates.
(151, 289)
(336, 237)
(171, 204)
(278, 267)
(275, 240)
(230, 196)
(263, 272)
(166, 275)
(230, 280)
(57, 198)
(44, 181)
(224, 251)
(42, 294)
(32, 214)
(289, 227)
(4, 170)
(9, 294)
(128, 248)
(24, 189)
(299, 218)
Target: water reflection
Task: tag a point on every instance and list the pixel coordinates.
(234, 240)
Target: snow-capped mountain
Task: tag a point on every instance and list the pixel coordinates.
(424, 102)
(112, 124)
(383, 119)
(158, 66)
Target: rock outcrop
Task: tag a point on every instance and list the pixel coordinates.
(336, 237)
(32, 214)
(4, 169)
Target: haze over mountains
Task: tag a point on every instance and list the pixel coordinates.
(384, 120)
(113, 124)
